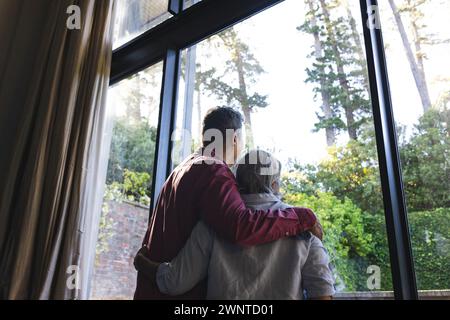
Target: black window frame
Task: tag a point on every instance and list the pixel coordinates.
(200, 21)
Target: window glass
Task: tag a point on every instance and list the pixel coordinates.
(133, 108)
(417, 51)
(133, 17)
(298, 74)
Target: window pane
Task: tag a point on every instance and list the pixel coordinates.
(133, 107)
(190, 3)
(417, 50)
(297, 72)
(133, 17)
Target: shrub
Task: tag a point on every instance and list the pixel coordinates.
(346, 240)
(430, 236)
(430, 243)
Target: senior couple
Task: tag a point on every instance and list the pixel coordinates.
(219, 229)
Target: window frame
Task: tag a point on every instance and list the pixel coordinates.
(208, 17)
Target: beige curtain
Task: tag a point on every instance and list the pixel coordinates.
(53, 84)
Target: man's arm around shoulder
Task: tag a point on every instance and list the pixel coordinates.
(223, 209)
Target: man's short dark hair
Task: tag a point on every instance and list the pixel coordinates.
(222, 118)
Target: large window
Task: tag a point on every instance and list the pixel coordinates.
(311, 95)
(417, 56)
(133, 108)
(290, 91)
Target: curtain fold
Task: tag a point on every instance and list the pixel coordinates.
(44, 162)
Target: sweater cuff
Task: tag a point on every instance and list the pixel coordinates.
(161, 277)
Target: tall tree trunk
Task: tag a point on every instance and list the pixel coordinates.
(348, 107)
(232, 42)
(330, 132)
(419, 52)
(418, 44)
(133, 109)
(359, 46)
(248, 128)
(246, 108)
(414, 65)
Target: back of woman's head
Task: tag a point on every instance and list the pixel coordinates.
(257, 171)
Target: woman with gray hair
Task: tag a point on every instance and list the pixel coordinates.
(290, 268)
(258, 172)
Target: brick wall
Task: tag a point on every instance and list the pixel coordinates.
(114, 275)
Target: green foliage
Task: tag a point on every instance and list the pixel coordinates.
(337, 73)
(426, 163)
(129, 169)
(352, 170)
(356, 240)
(376, 226)
(430, 233)
(135, 188)
(430, 237)
(346, 240)
(349, 171)
(132, 148)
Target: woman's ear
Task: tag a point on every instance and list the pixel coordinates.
(276, 186)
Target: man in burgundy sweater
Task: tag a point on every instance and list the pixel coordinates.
(203, 187)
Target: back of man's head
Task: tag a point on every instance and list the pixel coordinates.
(221, 119)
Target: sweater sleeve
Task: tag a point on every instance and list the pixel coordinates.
(190, 266)
(223, 209)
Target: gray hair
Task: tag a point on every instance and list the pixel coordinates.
(256, 172)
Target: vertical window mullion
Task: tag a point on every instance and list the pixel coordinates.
(402, 265)
(175, 6)
(166, 122)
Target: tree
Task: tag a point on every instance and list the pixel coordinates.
(347, 241)
(329, 121)
(350, 171)
(333, 39)
(416, 58)
(132, 148)
(242, 68)
(337, 70)
(426, 163)
(358, 45)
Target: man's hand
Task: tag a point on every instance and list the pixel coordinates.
(317, 230)
(139, 259)
(146, 266)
